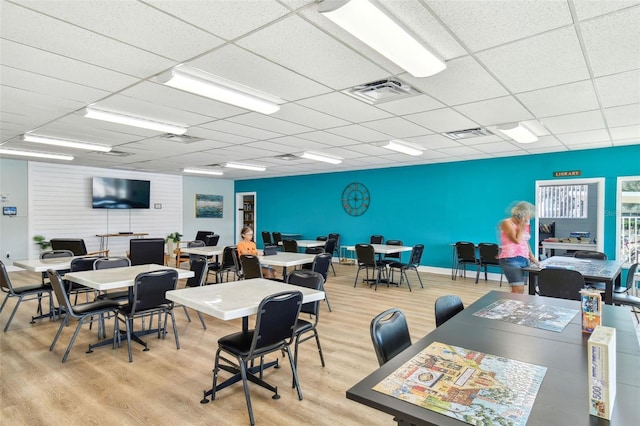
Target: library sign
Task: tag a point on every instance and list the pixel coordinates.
(568, 173)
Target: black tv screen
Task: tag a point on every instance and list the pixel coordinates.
(115, 193)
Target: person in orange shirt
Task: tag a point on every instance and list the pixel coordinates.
(248, 246)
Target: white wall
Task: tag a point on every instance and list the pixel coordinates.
(13, 188)
(193, 185)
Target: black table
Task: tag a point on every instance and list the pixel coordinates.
(562, 397)
(593, 270)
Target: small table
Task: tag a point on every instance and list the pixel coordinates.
(108, 279)
(290, 235)
(42, 265)
(104, 238)
(562, 397)
(595, 270)
(549, 246)
(286, 259)
(384, 248)
(310, 243)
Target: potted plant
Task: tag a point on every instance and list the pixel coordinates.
(171, 240)
(42, 242)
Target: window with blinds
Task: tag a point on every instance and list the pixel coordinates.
(563, 202)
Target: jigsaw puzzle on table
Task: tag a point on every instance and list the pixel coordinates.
(552, 318)
(470, 386)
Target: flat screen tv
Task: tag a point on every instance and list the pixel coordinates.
(115, 193)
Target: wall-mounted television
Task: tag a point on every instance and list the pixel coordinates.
(115, 193)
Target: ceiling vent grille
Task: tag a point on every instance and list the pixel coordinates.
(287, 157)
(468, 133)
(381, 91)
(180, 138)
(114, 153)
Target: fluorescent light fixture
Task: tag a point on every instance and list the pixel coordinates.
(27, 137)
(115, 117)
(203, 171)
(364, 20)
(242, 166)
(321, 157)
(36, 154)
(518, 132)
(211, 86)
(403, 147)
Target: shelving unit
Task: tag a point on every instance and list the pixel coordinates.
(248, 213)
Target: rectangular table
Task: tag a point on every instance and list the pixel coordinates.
(42, 265)
(207, 251)
(562, 397)
(384, 248)
(550, 246)
(104, 238)
(310, 243)
(285, 260)
(108, 279)
(595, 270)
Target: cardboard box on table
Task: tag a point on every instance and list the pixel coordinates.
(602, 371)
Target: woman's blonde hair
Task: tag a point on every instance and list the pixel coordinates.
(523, 209)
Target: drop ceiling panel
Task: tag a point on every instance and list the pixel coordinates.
(359, 133)
(495, 111)
(276, 148)
(213, 135)
(619, 89)
(369, 149)
(434, 141)
(442, 120)
(240, 130)
(262, 121)
(600, 135)
(397, 127)
(308, 117)
(411, 105)
(343, 106)
(545, 60)
(589, 9)
(327, 138)
(625, 132)
(565, 99)
(99, 130)
(174, 148)
(544, 142)
(626, 115)
(295, 144)
(581, 121)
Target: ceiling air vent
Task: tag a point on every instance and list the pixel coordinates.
(467, 133)
(114, 153)
(381, 91)
(180, 138)
(287, 157)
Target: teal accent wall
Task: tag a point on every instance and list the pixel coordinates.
(435, 204)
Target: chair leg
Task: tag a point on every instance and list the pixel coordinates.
(478, 274)
(62, 325)
(15, 308)
(73, 339)
(404, 272)
(245, 384)
(419, 279)
(129, 324)
(355, 283)
(175, 328)
(4, 302)
(333, 269)
(295, 373)
(326, 299)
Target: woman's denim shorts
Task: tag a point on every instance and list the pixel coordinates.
(512, 268)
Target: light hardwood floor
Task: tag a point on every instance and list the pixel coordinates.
(164, 386)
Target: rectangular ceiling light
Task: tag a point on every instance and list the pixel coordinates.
(242, 166)
(115, 117)
(27, 137)
(403, 147)
(321, 157)
(367, 22)
(36, 154)
(203, 171)
(518, 132)
(212, 86)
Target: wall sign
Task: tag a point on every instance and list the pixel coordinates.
(568, 173)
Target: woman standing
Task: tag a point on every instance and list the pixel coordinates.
(515, 252)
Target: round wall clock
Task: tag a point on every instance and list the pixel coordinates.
(355, 199)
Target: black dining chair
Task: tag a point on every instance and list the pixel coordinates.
(389, 334)
(143, 251)
(330, 247)
(622, 297)
(560, 283)
(488, 256)
(321, 265)
(228, 265)
(413, 264)
(367, 261)
(290, 246)
(199, 268)
(446, 307)
(119, 296)
(465, 255)
(266, 238)
(251, 267)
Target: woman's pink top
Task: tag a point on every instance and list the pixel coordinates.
(511, 249)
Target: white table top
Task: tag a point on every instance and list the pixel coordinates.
(204, 251)
(236, 299)
(310, 243)
(287, 259)
(385, 249)
(41, 265)
(107, 279)
(568, 246)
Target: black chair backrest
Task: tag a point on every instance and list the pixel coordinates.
(322, 238)
(560, 283)
(290, 246)
(199, 267)
(466, 251)
(321, 264)
(250, 266)
(276, 320)
(60, 291)
(308, 279)
(195, 244)
(52, 254)
(143, 251)
(228, 260)
(376, 239)
(330, 246)
(75, 245)
(396, 255)
(266, 238)
(446, 307)
(212, 240)
(584, 254)
(488, 253)
(366, 255)
(150, 288)
(336, 238)
(277, 237)
(630, 273)
(389, 334)
(313, 250)
(205, 236)
(83, 263)
(5, 282)
(111, 262)
(416, 255)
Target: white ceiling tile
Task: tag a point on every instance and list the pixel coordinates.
(397, 127)
(343, 106)
(625, 115)
(586, 9)
(625, 132)
(411, 105)
(463, 81)
(626, 142)
(303, 48)
(578, 122)
(497, 147)
(295, 144)
(594, 145)
(359, 133)
(565, 99)
(460, 151)
(261, 121)
(214, 135)
(603, 39)
(240, 130)
(600, 135)
(480, 140)
(545, 60)
(434, 141)
(545, 150)
(308, 117)
(544, 142)
(442, 120)
(495, 111)
(370, 149)
(272, 146)
(327, 138)
(619, 89)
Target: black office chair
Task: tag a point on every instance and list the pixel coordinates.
(94, 311)
(250, 266)
(560, 283)
(29, 292)
(148, 297)
(315, 281)
(367, 260)
(622, 297)
(446, 307)
(389, 334)
(412, 264)
(199, 268)
(488, 253)
(290, 246)
(274, 331)
(143, 251)
(465, 255)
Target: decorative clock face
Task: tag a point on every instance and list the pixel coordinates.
(355, 199)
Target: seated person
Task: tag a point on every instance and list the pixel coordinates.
(247, 246)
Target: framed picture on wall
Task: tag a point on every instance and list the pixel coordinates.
(209, 206)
